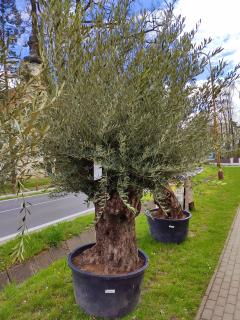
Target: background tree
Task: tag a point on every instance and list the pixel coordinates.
(21, 108)
(34, 54)
(218, 82)
(22, 97)
(11, 29)
(228, 127)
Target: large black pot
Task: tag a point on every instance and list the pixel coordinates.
(168, 230)
(110, 296)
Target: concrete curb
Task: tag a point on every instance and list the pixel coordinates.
(21, 271)
(48, 224)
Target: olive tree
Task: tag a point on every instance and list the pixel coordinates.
(129, 104)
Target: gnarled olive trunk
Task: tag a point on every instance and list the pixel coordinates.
(168, 204)
(116, 248)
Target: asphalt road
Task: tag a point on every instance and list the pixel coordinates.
(44, 211)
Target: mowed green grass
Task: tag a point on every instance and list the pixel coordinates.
(30, 184)
(177, 275)
(44, 239)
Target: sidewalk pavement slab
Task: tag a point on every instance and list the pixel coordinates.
(19, 272)
(222, 298)
(42, 260)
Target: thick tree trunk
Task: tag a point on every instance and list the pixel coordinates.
(169, 206)
(116, 250)
(34, 55)
(13, 163)
(220, 171)
(188, 195)
(13, 181)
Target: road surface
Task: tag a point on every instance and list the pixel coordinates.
(44, 211)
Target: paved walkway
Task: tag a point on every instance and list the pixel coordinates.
(222, 298)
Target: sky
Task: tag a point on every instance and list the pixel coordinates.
(219, 20)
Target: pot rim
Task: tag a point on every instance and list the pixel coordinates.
(106, 277)
(148, 214)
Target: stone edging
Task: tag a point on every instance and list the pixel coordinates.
(21, 271)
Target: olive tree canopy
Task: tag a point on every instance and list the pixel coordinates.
(129, 102)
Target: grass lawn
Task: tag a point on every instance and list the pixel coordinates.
(44, 239)
(30, 184)
(177, 276)
(33, 193)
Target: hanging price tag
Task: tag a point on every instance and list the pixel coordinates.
(97, 171)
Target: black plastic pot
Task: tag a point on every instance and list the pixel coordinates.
(168, 230)
(112, 296)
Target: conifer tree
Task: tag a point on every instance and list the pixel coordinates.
(11, 29)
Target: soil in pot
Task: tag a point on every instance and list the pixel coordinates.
(108, 296)
(82, 262)
(156, 213)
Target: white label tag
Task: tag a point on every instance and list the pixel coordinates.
(172, 227)
(97, 171)
(110, 291)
